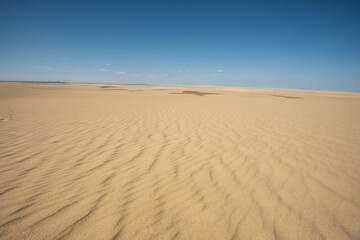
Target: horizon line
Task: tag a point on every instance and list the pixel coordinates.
(173, 85)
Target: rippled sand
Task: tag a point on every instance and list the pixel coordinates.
(151, 162)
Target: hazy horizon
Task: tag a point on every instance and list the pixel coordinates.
(170, 85)
(309, 45)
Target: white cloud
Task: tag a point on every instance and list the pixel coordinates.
(220, 70)
(150, 75)
(179, 70)
(44, 67)
(103, 70)
(108, 64)
(121, 73)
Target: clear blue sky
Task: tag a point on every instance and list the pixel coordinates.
(271, 44)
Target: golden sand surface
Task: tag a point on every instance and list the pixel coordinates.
(96, 161)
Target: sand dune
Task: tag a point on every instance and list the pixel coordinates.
(82, 162)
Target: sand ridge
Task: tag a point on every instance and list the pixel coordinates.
(197, 93)
(78, 161)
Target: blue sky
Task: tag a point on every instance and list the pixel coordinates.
(271, 44)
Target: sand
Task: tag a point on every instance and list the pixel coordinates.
(87, 161)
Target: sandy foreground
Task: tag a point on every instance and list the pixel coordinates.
(86, 161)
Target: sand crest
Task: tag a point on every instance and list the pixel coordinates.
(78, 161)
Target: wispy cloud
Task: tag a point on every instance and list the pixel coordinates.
(220, 70)
(122, 73)
(44, 68)
(103, 70)
(108, 64)
(150, 75)
(65, 58)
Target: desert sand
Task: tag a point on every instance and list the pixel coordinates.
(96, 161)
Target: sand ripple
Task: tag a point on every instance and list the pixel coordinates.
(82, 162)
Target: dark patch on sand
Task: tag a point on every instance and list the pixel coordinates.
(106, 87)
(282, 96)
(196, 93)
(115, 89)
(112, 88)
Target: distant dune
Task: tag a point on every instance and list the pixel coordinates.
(78, 161)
